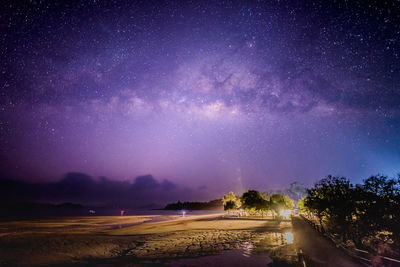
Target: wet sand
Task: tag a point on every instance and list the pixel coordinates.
(145, 240)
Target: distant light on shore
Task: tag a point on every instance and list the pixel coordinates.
(289, 237)
(286, 213)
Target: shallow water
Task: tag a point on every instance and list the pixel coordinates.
(138, 212)
(251, 253)
(226, 258)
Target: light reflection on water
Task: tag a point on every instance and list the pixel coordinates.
(265, 242)
(247, 248)
(278, 239)
(225, 258)
(289, 237)
(246, 255)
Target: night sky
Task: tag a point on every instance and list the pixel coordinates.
(208, 95)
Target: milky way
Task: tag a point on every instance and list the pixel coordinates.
(208, 94)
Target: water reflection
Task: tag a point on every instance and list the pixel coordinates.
(289, 237)
(266, 241)
(247, 248)
(252, 252)
(277, 239)
(225, 258)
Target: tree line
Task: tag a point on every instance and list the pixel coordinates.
(210, 205)
(354, 212)
(256, 202)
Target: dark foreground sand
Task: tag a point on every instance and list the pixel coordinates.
(155, 239)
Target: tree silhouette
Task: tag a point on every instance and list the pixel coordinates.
(332, 199)
(378, 207)
(356, 212)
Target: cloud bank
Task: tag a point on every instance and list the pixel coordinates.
(143, 191)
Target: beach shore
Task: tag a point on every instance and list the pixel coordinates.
(142, 239)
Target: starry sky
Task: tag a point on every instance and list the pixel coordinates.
(209, 95)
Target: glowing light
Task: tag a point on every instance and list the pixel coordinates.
(289, 237)
(285, 213)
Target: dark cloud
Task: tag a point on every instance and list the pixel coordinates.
(203, 187)
(81, 188)
(146, 182)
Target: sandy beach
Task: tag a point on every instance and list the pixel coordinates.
(153, 239)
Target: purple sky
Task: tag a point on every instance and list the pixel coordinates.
(220, 94)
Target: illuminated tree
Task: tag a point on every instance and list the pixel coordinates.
(255, 201)
(230, 202)
(300, 205)
(280, 202)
